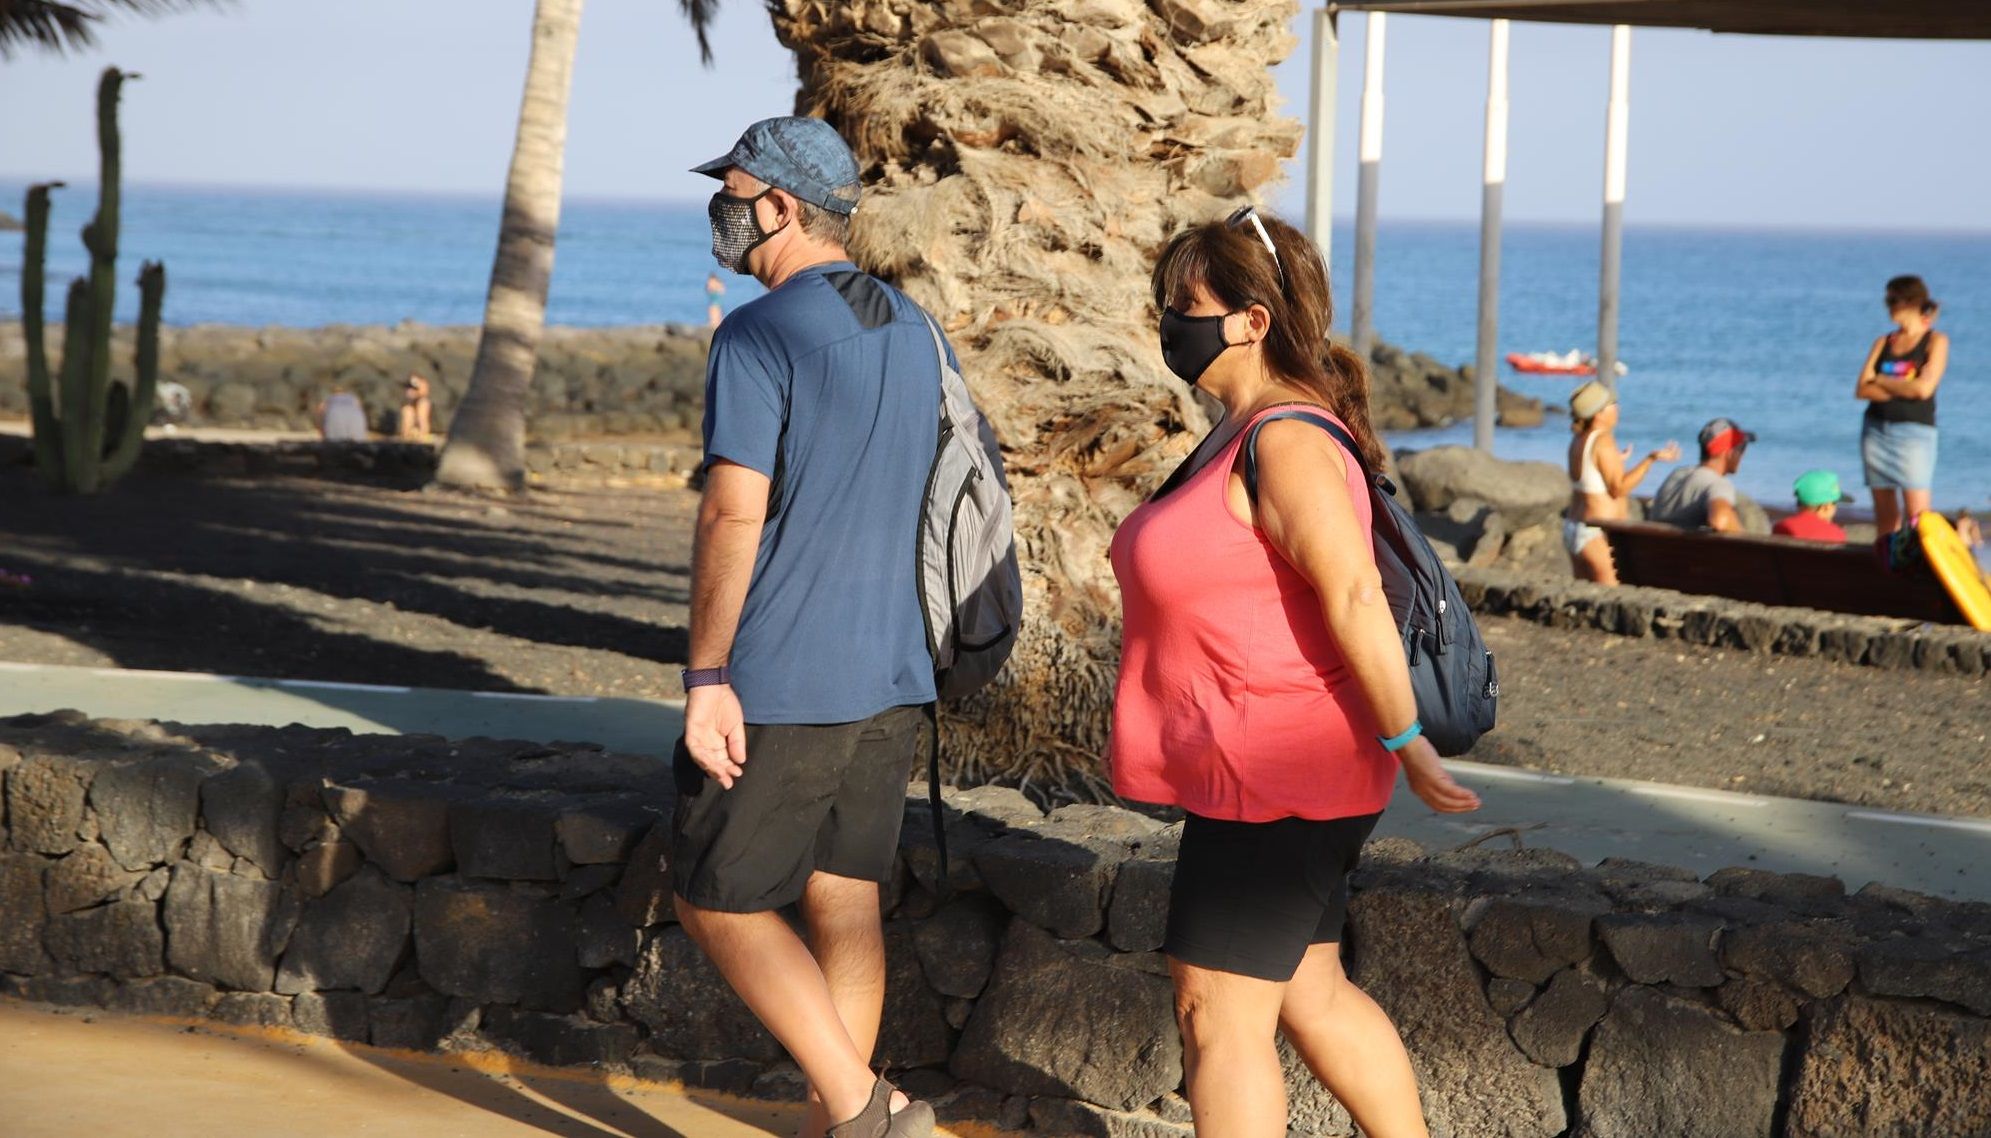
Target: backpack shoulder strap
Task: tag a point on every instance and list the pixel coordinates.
(1330, 426)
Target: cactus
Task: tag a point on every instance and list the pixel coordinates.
(89, 431)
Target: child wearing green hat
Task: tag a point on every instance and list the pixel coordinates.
(1818, 498)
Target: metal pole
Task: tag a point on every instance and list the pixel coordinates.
(1320, 135)
(1494, 184)
(1617, 121)
(1371, 145)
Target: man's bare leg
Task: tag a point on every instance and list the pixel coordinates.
(848, 941)
(771, 969)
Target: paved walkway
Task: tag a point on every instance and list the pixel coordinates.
(71, 1072)
(1590, 818)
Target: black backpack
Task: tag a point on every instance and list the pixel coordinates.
(1451, 670)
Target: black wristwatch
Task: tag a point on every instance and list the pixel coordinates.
(707, 677)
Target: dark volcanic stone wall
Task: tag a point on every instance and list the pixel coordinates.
(409, 891)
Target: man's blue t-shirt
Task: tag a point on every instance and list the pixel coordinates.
(830, 387)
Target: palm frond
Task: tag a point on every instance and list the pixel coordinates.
(69, 25)
(701, 13)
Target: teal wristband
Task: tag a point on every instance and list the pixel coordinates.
(1397, 743)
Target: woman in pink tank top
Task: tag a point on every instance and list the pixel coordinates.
(1263, 687)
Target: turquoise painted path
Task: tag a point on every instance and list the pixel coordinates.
(1589, 818)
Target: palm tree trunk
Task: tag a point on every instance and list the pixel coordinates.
(1021, 172)
(486, 446)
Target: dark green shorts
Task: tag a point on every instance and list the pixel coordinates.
(811, 797)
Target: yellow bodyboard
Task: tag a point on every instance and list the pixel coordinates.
(1955, 568)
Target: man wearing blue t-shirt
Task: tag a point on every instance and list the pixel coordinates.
(810, 673)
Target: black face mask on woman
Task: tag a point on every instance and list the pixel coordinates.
(1190, 344)
(736, 229)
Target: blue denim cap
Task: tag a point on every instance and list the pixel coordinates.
(803, 156)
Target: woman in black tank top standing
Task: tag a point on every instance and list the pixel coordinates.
(1898, 439)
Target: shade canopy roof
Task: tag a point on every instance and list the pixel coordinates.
(1867, 19)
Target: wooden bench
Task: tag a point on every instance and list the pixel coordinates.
(1775, 571)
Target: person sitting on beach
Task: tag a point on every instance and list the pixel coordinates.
(342, 418)
(415, 422)
(1818, 498)
(1601, 486)
(1703, 496)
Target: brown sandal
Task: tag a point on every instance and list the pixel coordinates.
(876, 1120)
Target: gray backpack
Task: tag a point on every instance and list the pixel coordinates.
(970, 590)
(1451, 671)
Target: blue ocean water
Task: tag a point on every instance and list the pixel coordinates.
(1767, 327)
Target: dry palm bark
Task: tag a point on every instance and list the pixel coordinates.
(1024, 161)
(486, 446)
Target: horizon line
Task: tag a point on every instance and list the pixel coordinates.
(1340, 220)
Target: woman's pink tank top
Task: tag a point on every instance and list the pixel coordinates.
(1233, 702)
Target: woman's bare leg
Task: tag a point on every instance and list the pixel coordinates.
(1886, 510)
(1230, 1052)
(1351, 1046)
(1919, 502)
(1593, 563)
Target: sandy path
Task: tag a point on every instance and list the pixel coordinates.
(67, 1073)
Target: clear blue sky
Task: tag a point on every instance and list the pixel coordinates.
(397, 95)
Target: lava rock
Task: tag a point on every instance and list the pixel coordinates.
(226, 930)
(21, 899)
(1937, 968)
(243, 808)
(1054, 1023)
(1667, 948)
(350, 938)
(1551, 1029)
(402, 827)
(147, 808)
(957, 945)
(508, 837)
(121, 939)
(1661, 1065)
(89, 876)
(1411, 956)
(45, 799)
(644, 896)
(1532, 939)
(1814, 959)
(688, 1007)
(497, 945)
(1878, 1067)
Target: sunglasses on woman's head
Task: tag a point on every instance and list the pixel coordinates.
(1250, 214)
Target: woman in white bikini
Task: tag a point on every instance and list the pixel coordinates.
(1601, 485)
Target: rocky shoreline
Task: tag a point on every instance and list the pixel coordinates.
(591, 382)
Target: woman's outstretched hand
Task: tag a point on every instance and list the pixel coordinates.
(1430, 781)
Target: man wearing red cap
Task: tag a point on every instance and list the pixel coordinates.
(1703, 497)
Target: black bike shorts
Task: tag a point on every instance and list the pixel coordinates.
(1251, 897)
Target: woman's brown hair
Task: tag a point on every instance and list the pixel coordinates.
(1233, 264)
(1909, 292)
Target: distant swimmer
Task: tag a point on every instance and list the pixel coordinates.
(1601, 485)
(1898, 382)
(1704, 496)
(1818, 499)
(715, 290)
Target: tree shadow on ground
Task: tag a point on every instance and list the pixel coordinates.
(602, 571)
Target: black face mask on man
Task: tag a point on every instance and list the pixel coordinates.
(736, 229)
(1190, 344)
